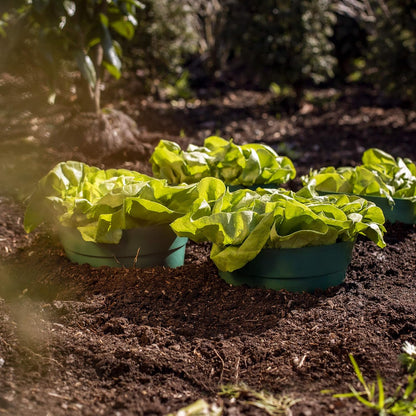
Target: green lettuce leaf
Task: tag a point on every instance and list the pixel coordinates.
(246, 165)
(240, 224)
(379, 175)
(102, 203)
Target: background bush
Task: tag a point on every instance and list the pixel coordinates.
(271, 41)
(289, 45)
(164, 40)
(83, 33)
(391, 56)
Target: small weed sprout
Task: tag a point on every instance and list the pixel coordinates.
(402, 403)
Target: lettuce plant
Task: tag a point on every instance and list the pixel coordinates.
(246, 165)
(102, 203)
(240, 224)
(379, 175)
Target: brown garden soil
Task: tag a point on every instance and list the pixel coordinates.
(78, 340)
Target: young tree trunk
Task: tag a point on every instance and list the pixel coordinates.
(85, 96)
(89, 97)
(98, 60)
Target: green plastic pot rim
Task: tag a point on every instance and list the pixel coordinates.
(403, 210)
(311, 248)
(139, 247)
(295, 269)
(379, 197)
(118, 257)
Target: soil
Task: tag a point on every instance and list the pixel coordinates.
(78, 340)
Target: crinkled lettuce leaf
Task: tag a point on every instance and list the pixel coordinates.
(379, 175)
(246, 165)
(102, 203)
(240, 224)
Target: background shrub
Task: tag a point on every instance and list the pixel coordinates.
(164, 40)
(391, 56)
(83, 33)
(172, 45)
(272, 41)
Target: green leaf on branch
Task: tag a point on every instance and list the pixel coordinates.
(124, 28)
(111, 61)
(136, 3)
(104, 19)
(86, 67)
(113, 70)
(132, 20)
(70, 7)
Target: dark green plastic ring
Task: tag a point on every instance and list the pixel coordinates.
(295, 269)
(403, 210)
(139, 247)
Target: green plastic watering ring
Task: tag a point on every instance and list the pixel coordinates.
(403, 210)
(295, 269)
(139, 247)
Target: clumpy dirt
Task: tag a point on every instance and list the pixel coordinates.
(78, 340)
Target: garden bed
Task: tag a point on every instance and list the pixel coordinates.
(77, 340)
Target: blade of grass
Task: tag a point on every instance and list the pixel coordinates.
(380, 392)
(361, 399)
(410, 387)
(360, 377)
(402, 403)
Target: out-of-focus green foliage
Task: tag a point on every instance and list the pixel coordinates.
(275, 41)
(378, 37)
(165, 37)
(83, 32)
(173, 45)
(350, 44)
(391, 57)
